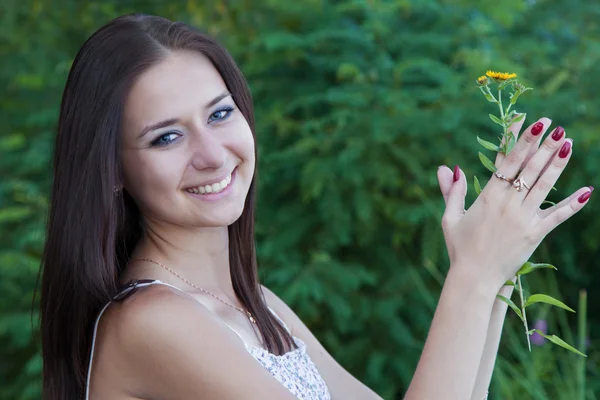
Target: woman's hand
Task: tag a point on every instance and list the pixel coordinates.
(504, 226)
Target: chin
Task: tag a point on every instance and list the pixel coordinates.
(220, 218)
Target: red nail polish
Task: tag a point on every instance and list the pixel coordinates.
(537, 128)
(565, 149)
(558, 133)
(456, 173)
(584, 197)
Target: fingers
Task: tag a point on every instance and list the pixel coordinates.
(514, 129)
(541, 160)
(558, 215)
(514, 160)
(547, 211)
(455, 203)
(549, 176)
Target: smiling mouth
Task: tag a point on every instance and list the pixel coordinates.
(214, 188)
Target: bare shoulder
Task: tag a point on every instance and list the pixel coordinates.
(281, 308)
(177, 349)
(273, 300)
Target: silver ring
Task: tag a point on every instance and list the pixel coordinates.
(519, 184)
(505, 178)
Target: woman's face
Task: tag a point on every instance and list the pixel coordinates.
(188, 152)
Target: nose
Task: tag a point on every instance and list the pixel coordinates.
(207, 150)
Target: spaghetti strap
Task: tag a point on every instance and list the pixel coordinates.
(131, 287)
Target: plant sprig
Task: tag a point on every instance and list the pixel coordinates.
(507, 117)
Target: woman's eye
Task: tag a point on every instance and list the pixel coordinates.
(220, 115)
(165, 139)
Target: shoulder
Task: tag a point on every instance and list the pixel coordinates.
(176, 348)
(158, 315)
(280, 307)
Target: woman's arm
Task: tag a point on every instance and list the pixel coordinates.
(492, 341)
(455, 344)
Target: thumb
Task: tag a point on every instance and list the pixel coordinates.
(444, 175)
(455, 204)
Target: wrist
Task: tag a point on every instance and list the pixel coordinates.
(470, 278)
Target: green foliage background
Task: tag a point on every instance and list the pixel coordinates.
(357, 103)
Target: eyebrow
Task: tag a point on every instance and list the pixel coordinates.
(172, 121)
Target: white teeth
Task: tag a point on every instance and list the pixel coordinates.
(214, 188)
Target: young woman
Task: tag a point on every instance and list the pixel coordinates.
(150, 288)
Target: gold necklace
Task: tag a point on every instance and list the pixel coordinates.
(250, 317)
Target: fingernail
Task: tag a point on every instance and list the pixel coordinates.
(565, 149)
(591, 188)
(558, 133)
(456, 173)
(537, 128)
(585, 197)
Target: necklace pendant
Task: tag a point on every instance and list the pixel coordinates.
(250, 317)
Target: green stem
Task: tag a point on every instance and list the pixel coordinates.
(505, 145)
(500, 104)
(582, 333)
(523, 311)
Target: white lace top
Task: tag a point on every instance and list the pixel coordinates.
(294, 369)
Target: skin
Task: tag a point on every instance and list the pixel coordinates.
(161, 343)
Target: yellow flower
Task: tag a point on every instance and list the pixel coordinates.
(500, 76)
(482, 80)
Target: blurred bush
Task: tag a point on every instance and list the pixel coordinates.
(357, 103)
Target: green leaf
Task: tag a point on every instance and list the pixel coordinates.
(14, 214)
(511, 142)
(558, 341)
(477, 185)
(549, 202)
(529, 267)
(496, 120)
(512, 305)
(12, 142)
(510, 283)
(544, 298)
(518, 118)
(487, 162)
(488, 145)
(514, 97)
(487, 94)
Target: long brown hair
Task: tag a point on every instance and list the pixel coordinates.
(91, 231)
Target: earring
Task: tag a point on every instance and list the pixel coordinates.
(116, 190)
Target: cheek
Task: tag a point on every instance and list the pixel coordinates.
(149, 180)
(243, 144)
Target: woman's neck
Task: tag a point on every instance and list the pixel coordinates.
(200, 255)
